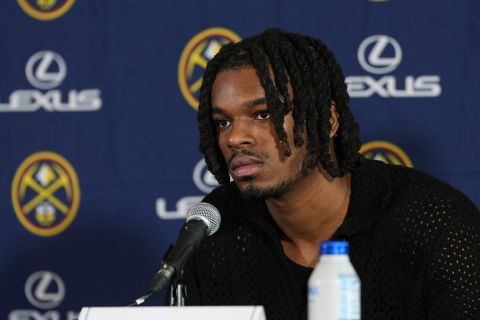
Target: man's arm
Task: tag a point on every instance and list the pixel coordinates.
(453, 279)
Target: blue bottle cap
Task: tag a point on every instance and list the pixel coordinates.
(334, 247)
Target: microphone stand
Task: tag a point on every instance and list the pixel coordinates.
(178, 291)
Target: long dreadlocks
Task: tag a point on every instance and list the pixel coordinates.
(316, 79)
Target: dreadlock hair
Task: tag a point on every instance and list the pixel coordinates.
(316, 79)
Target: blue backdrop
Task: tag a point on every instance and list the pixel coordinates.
(98, 133)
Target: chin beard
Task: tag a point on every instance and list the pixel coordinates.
(254, 192)
(262, 193)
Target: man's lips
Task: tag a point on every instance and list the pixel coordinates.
(242, 166)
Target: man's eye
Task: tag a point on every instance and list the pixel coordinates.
(222, 123)
(263, 115)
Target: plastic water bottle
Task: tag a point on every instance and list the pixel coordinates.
(334, 286)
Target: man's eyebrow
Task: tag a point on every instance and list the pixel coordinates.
(247, 105)
(217, 110)
(256, 102)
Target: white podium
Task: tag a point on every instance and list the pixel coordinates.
(173, 313)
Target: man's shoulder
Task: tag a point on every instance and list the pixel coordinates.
(421, 183)
(415, 189)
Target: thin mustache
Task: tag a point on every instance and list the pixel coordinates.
(245, 152)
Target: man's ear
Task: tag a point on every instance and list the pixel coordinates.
(333, 119)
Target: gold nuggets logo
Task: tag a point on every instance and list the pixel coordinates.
(45, 194)
(386, 152)
(199, 50)
(45, 9)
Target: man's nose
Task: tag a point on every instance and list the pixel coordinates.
(241, 135)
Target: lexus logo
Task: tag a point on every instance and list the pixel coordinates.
(375, 54)
(46, 70)
(204, 179)
(45, 289)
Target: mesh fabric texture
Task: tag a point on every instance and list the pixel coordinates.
(414, 241)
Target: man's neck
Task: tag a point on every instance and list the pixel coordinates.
(310, 213)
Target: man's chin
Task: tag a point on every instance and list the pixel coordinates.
(251, 190)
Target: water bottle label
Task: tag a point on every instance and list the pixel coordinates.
(337, 299)
(349, 308)
(313, 291)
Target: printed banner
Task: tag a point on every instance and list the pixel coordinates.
(98, 99)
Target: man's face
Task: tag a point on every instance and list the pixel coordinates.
(247, 138)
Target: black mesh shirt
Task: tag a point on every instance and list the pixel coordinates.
(414, 241)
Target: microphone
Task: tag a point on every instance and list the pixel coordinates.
(203, 220)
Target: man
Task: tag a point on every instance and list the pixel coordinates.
(274, 115)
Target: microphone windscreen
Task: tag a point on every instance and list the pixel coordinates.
(207, 213)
